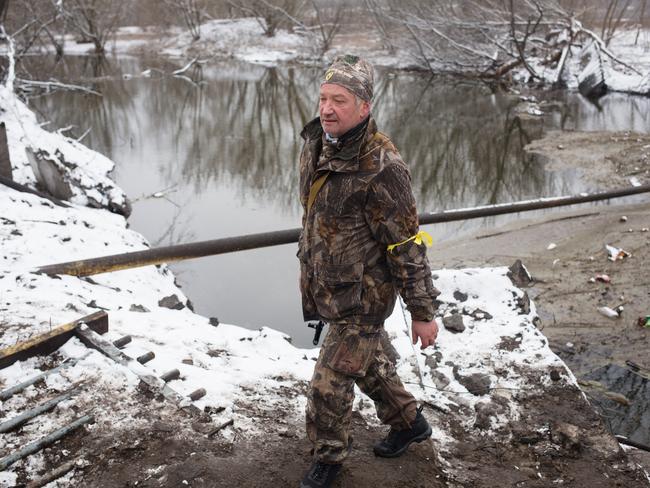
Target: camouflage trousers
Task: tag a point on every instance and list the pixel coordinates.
(352, 354)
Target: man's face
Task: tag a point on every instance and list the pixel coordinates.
(339, 110)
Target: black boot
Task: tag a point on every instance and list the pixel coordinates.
(398, 441)
(320, 475)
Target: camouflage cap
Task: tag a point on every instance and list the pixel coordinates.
(353, 73)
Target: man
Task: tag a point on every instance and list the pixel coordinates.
(359, 247)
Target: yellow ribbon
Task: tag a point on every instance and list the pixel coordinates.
(421, 237)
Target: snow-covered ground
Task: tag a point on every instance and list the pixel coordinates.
(477, 377)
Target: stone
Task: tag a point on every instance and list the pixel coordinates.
(479, 314)
(484, 414)
(432, 360)
(523, 302)
(439, 379)
(214, 321)
(460, 296)
(171, 302)
(138, 308)
(519, 275)
(454, 322)
(567, 435)
(477, 383)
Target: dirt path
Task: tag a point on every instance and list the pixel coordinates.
(171, 454)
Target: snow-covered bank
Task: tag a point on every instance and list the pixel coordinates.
(623, 64)
(482, 381)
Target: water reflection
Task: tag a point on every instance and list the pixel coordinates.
(224, 141)
(631, 418)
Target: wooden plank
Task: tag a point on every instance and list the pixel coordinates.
(5, 160)
(50, 341)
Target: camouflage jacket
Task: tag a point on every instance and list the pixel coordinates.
(365, 204)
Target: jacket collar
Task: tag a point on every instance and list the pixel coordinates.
(344, 158)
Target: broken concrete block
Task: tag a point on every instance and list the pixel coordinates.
(49, 175)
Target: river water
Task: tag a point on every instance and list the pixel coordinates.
(221, 144)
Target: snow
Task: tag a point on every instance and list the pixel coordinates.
(86, 170)
(236, 366)
(242, 39)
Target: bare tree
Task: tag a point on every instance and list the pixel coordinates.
(490, 38)
(192, 12)
(93, 20)
(612, 19)
(328, 19)
(45, 19)
(271, 14)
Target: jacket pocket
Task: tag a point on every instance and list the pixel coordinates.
(337, 289)
(309, 310)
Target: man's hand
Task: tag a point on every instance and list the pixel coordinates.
(427, 332)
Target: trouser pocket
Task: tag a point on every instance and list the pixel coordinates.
(352, 349)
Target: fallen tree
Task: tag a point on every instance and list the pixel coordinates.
(536, 41)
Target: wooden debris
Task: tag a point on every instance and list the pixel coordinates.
(146, 357)
(52, 340)
(55, 474)
(197, 394)
(95, 341)
(219, 428)
(122, 341)
(5, 160)
(174, 374)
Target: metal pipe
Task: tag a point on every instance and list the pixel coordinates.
(36, 446)
(27, 415)
(181, 252)
(9, 392)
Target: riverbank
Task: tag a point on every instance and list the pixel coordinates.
(573, 277)
(621, 66)
(508, 409)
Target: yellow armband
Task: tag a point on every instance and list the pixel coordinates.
(421, 237)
